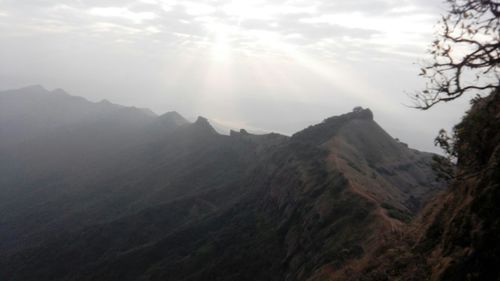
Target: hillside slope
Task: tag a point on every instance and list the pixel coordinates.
(173, 200)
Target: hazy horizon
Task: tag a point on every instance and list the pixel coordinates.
(266, 65)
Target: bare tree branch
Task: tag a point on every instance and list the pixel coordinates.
(465, 55)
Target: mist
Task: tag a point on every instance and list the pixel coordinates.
(273, 66)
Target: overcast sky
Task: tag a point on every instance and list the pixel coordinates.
(271, 65)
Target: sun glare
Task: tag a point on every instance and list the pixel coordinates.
(221, 42)
(230, 42)
(247, 10)
(222, 32)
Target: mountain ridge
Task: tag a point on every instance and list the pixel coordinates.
(165, 199)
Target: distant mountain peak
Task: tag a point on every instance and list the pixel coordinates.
(201, 120)
(202, 123)
(105, 101)
(361, 113)
(59, 91)
(325, 130)
(358, 113)
(171, 114)
(172, 118)
(242, 132)
(33, 89)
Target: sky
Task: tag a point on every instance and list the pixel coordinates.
(263, 65)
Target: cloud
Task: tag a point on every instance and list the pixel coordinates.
(120, 12)
(382, 24)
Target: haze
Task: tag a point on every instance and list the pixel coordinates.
(261, 65)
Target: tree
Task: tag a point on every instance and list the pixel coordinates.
(444, 166)
(465, 54)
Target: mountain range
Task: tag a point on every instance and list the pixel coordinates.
(99, 191)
